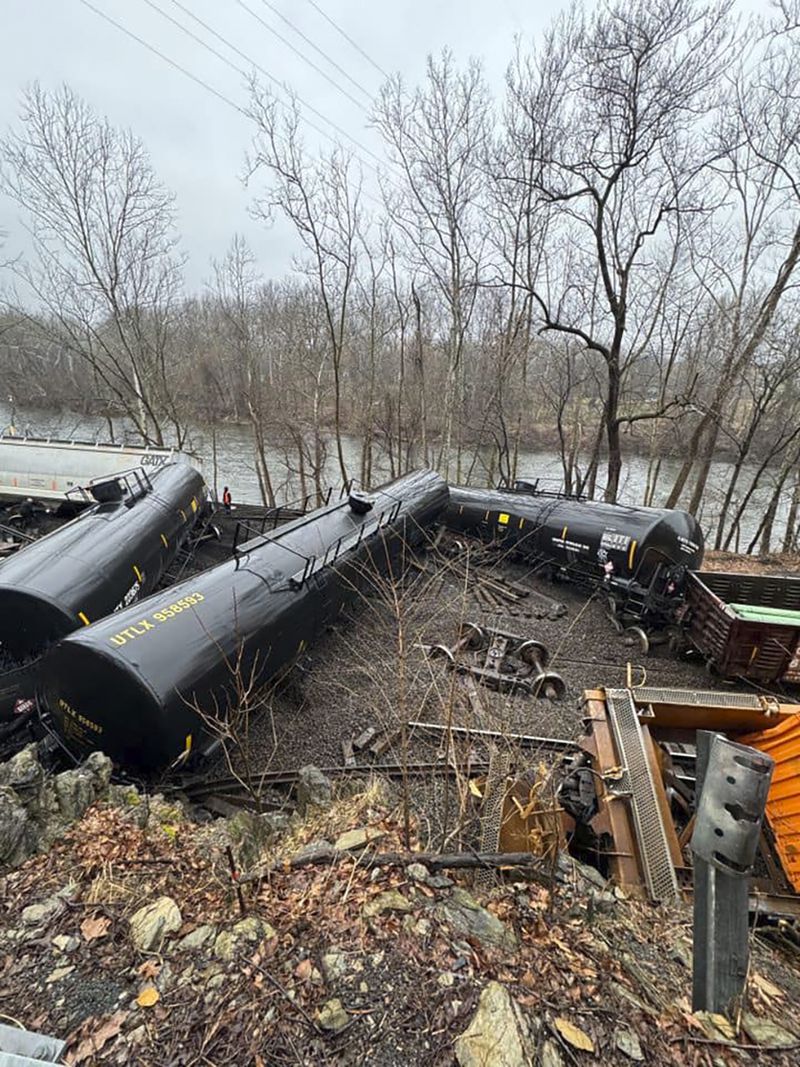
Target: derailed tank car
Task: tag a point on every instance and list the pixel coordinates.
(133, 683)
(111, 555)
(641, 555)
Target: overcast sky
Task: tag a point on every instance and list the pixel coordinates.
(198, 142)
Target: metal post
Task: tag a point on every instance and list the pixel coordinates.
(732, 785)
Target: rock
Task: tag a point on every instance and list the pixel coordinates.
(251, 833)
(23, 772)
(332, 1016)
(445, 980)
(418, 872)
(14, 825)
(64, 943)
(197, 938)
(417, 927)
(715, 1026)
(550, 1055)
(360, 838)
(151, 924)
(497, 1035)
(313, 789)
(59, 973)
(334, 965)
(461, 911)
(391, 900)
(38, 914)
(764, 1032)
(247, 931)
(317, 849)
(628, 1043)
(439, 881)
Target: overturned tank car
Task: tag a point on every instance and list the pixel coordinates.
(139, 683)
(115, 552)
(640, 555)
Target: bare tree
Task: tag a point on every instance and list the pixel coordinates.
(437, 140)
(104, 272)
(607, 111)
(321, 200)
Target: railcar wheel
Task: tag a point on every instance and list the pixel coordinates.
(549, 685)
(616, 625)
(474, 635)
(441, 652)
(534, 654)
(635, 637)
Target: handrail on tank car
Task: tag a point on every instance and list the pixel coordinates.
(343, 543)
(274, 514)
(523, 487)
(137, 474)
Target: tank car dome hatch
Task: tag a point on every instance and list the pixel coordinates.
(138, 683)
(109, 491)
(360, 502)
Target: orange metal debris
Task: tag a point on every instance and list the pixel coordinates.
(782, 742)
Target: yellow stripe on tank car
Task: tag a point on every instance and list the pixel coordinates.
(194, 504)
(84, 619)
(564, 534)
(753, 655)
(631, 554)
(187, 747)
(183, 514)
(164, 541)
(137, 572)
(521, 523)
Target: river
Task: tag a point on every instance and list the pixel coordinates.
(235, 466)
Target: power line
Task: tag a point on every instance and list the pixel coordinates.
(209, 88)
(228, 44)
(297, 52)
(166, 58)
(349, 39)
(318, 50)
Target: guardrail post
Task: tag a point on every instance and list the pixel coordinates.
(732, 785)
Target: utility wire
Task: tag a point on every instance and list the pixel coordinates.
(264, 71)
(209, 88)
(297, 52)
(318, 50)
(349, 39)
(166, 58)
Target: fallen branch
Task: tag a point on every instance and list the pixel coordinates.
(436, 861)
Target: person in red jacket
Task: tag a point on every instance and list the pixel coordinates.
(227, 500)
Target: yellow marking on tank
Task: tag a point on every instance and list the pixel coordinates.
(631, 554)
(83, 618)
(194, 504)
(486, 517)
(460, 509)
(164, 541)
(137, 572)
(301, 646)
(564, 534)
(753, 655)
(521, 524)
(503, 518)
(183, 514)
(187, 748)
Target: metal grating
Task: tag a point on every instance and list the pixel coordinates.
(700, 698)
(494, 796)
(657, 866)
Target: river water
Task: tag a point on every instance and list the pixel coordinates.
(227, 458)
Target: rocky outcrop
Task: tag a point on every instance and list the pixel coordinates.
(497, 1035)
(36, 809)
(463, 913)
(314, 789)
